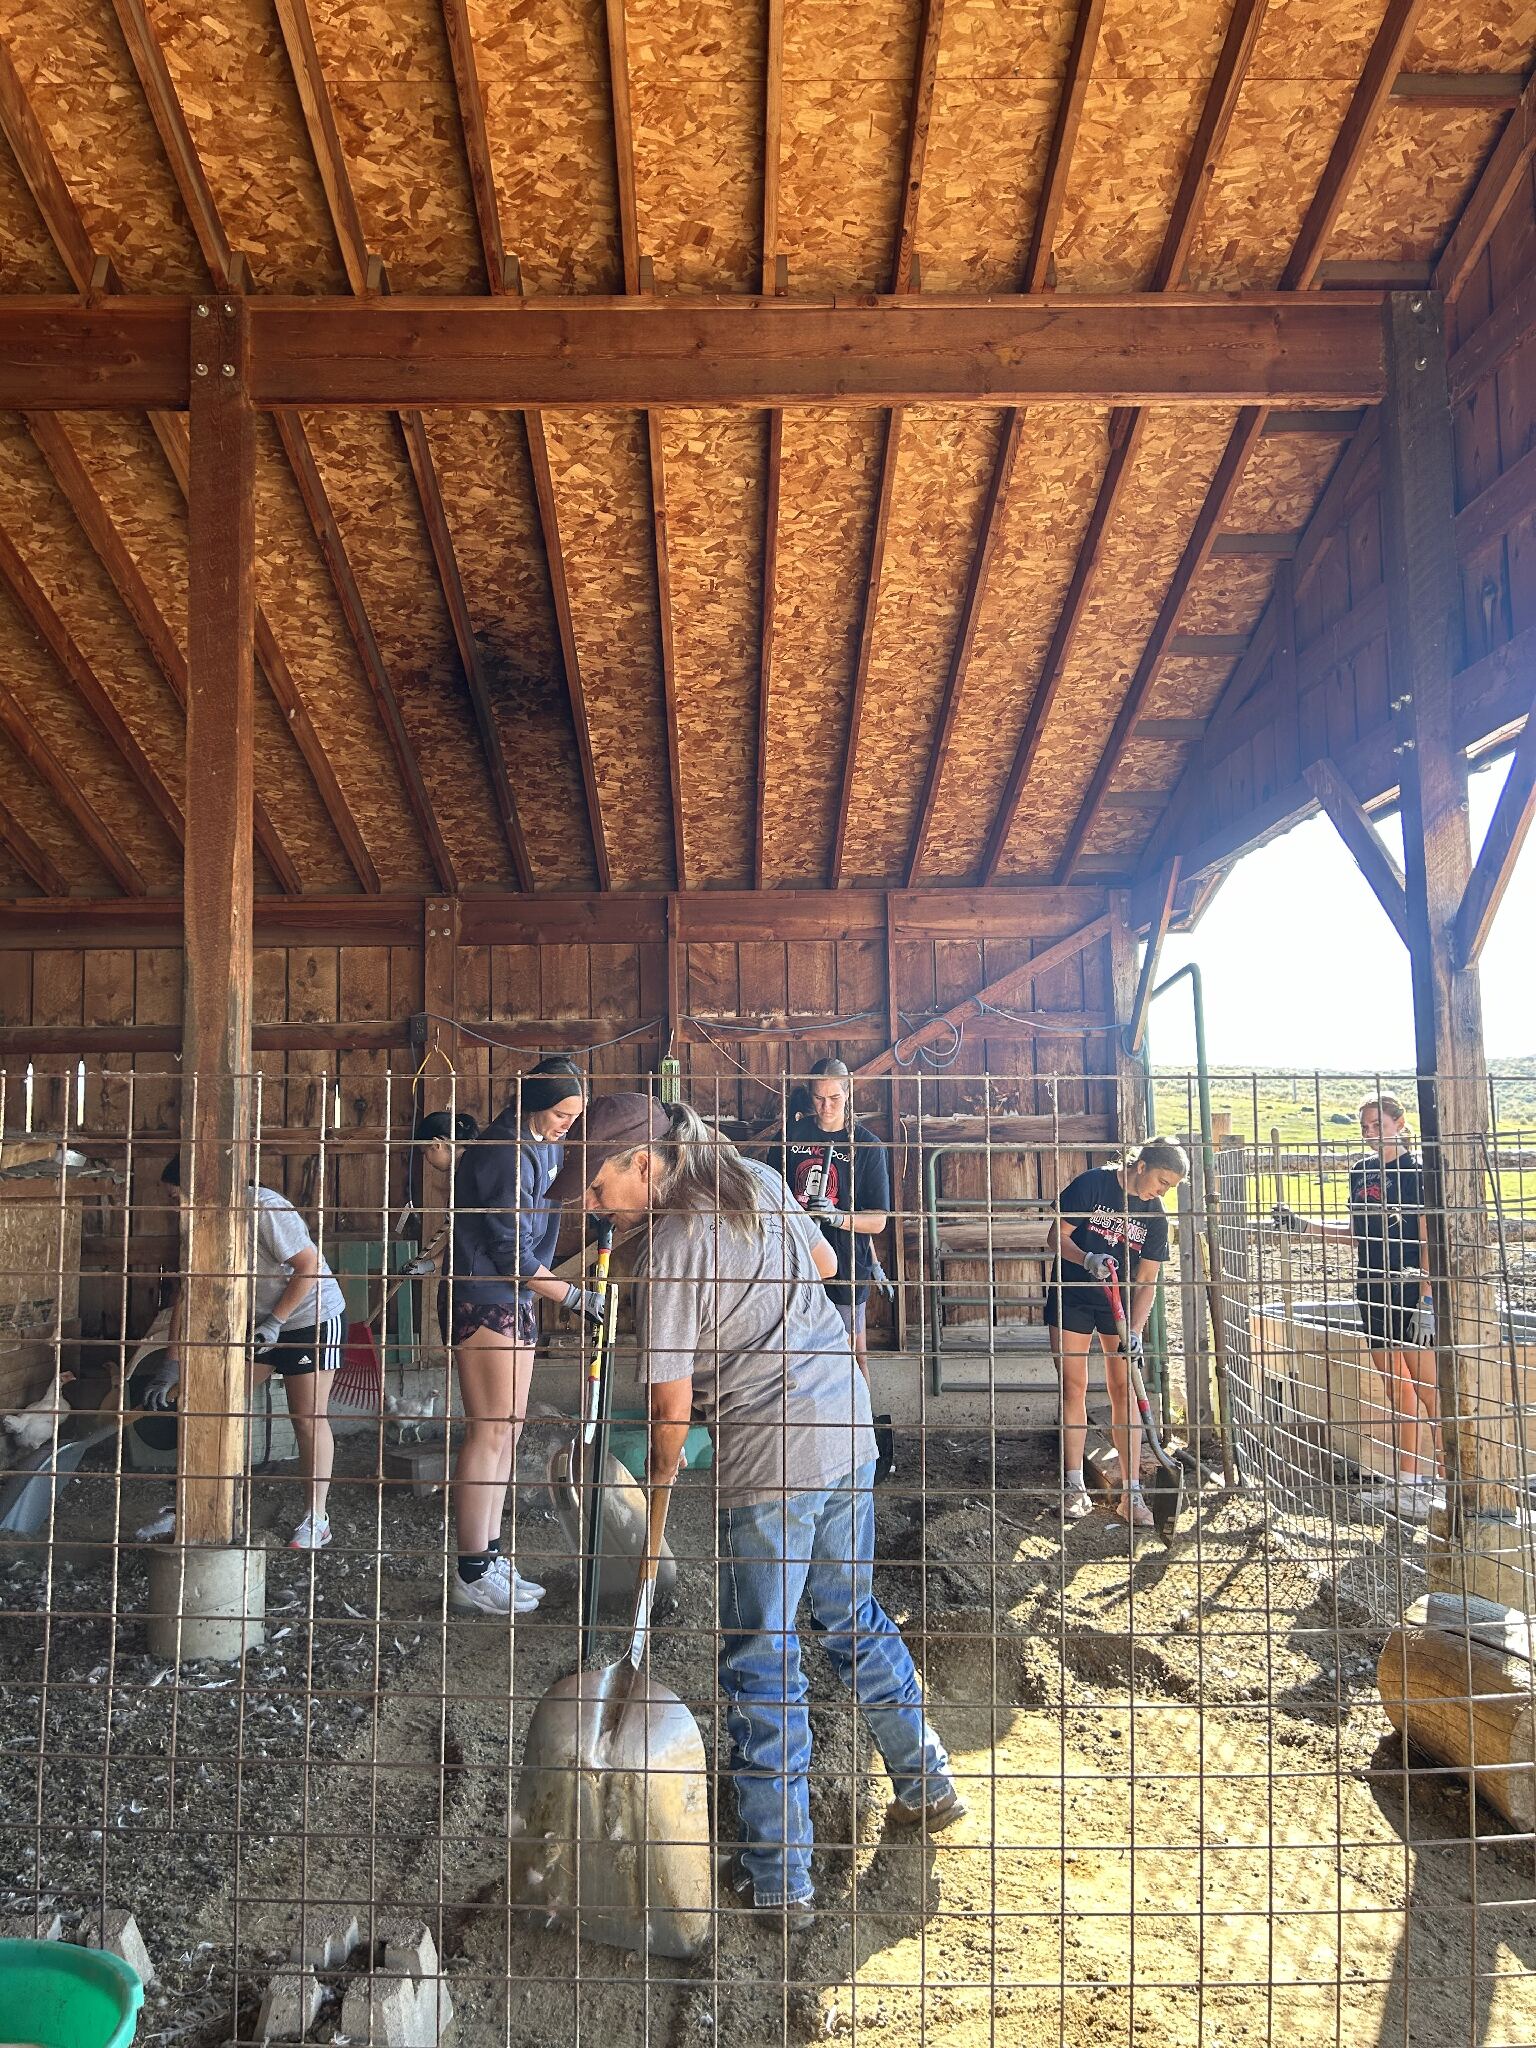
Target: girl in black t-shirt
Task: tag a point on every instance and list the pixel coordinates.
(1109, 1213)
(1387, 1228)
(840, 1173)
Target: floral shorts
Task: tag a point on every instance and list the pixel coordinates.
(518, 1320)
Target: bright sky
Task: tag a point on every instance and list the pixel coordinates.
(1302, 969)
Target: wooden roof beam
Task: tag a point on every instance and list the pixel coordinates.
(918, 123)
(773, 125)
(29, 856)
(1513, 816)
(22, 732)
(1342, 807)
(1460, 88)
(1243, 26)
(123, 572)
(503, 275)
(55, 203)
(1039, 261)
(366, 276)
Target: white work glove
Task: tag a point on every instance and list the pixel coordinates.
(421, 1267)
(1099, 1266)
(158, 1389)
(586, 1301)
(1136, 1345)
(266, 1333)
(1424, 1326)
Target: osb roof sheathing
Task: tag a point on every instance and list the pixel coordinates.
(1168, 480)
(829, 476)
(847, 95)
(368, 480)
(236, 90)
(713, 463)
(1227, 595)
(544, 76)
(1281, 483)
(696, 98)
(37, 811)
(1414, 180)
(28, 260)
(1495, 35)
(391, 85)
(1187, 686)
(1056, 479)
(70, 58)
(131, 476)
(601, 476)
(482, 460)
(944, 462)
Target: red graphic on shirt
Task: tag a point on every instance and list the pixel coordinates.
(816, 1178)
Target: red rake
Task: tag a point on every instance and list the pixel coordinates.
(360, 1382)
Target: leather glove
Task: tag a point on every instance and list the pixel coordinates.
(1286, 1219)
(421, 1267)
(586, 1301)
(1098, 1266)
(158, 1388)
(266, 1333)
(1424, 1326)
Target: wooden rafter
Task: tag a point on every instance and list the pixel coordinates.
(171, 431)
(54, 201)
(366, 277)
(503, 274)
(1197, 550)
(773, 124)
(29, 856)
(1006, 989)
(918, 123)
(1343, 809)
(1508, 828)
(1058, 162)
(22, 732)
(965, 637)
(1162, 917)
(1247, 18)
(1382, 65)
(37, 608)
(773, 130)
(623, 141)
(872, 583)
(123, 572)
(1508, 164)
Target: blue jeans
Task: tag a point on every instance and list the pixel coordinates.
(820, 1544)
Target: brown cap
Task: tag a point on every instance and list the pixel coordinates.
(611, 1124)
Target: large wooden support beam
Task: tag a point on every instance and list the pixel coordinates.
(1382, 873)
(440, 934)
(1004, 990)
(1418, 504)
(216, 1035)
(1294, 349)
(1512, 819)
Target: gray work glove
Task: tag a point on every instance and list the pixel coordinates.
(1423, 1331)
(827, 1216)
(881, 1279)
(266, 1333)
(421, 1267)
(586, 1301)
(1286, 1219)
(1099, 1266)
(158, 1389)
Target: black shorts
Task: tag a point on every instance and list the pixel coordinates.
(1387, 1307)
(1078, 1304)
(315, 1347)
(518, 1320)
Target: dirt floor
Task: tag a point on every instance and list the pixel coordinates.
(1188, 1821)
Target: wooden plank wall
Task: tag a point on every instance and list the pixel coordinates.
(334, 1121)
(1341, 705)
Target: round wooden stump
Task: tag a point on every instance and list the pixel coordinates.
(1457, 1681)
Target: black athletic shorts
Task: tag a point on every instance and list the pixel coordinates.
(312, 1348)
(1074, 1302)
(1388, 1304)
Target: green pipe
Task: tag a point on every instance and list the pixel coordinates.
(1159, 1391)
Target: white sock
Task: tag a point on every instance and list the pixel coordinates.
(1075, 1480)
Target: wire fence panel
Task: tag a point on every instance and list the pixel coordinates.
(915, 1740)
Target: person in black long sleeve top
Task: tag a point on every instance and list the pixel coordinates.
(504, 1233)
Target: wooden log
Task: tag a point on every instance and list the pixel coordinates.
(1457, 1682)
(218, 960)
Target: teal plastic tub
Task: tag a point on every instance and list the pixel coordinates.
(54, 1995)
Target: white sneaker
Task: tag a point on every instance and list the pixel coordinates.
(158, 1527)
(1132, 1509)
(1412, 1502)
(1076, 1502)
(489, 1595)
(526, 1593)
(310, 1534)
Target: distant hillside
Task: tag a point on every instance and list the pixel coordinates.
(1321, 1106)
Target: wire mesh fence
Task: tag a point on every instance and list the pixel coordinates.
(343, 1793)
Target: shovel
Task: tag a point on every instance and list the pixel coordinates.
(612, 1812)
(1164, 1488)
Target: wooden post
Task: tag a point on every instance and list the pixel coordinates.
(1423, 601)
(1130, 1073)
(216, 1015)
(440, 1000)
(899, 1196)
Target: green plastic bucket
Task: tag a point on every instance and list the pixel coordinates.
(54, 1995)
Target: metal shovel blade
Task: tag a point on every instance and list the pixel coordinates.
(612, 1814)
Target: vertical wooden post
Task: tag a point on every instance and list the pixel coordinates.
(1129, 1073)
(1422, 596)
(899, 1195)
(216, 1015)
(440, 999)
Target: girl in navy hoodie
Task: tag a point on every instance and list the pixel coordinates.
(504, 1234)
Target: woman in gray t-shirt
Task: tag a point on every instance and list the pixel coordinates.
(735, 1326)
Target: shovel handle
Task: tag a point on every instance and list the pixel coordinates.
(604, 1238)
(650, 1564)
(1133, 1369)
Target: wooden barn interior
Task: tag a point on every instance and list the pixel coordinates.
(735, 532)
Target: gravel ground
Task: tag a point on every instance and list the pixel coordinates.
(1189, 1822)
